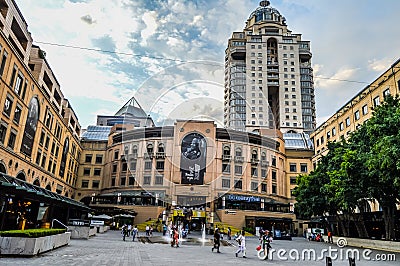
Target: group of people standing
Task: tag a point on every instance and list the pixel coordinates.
(128, 230)
(265, 243)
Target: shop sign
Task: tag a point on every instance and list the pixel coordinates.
(243, 198)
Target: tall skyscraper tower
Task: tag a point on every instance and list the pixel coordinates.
(268, 76)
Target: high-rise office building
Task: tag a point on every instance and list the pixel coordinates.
(268, 76)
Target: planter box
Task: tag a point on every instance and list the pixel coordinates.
(24, 246)
(82, 232)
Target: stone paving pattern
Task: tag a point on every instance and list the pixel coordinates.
(109, 249)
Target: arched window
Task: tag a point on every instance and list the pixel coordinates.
(254, 155)
(3, 168)
(161, 147)
(48, 187)
(227, 150)
(134, 149)
(36, 182)
(150, 148)
(263, 156)
(238, 152)
(21, 176)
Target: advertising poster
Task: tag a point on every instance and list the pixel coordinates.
(193, 159)
(30, 127)
(64, 157)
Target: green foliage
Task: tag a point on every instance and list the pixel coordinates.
(32, 233)
(367, 165)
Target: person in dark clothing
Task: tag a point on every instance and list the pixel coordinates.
(217, 239)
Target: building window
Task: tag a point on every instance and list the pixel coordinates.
(226, 168)
(85, 183)
(116, 154)
(376, 101)
(95, 184)
(17, 114)
(303, 167)
(160, 165)
(131, 180)
(159, 180)
(48, 119)
(133, 166)
(334, 131)
(146, 180)
(238, 169)
(254, 186)
(273, 189)
(293, 180)
(88, 158)
(254, 172)
(3, 131)
(356, 115)
(99, 158)
(86, 171)
(147, 165)
(328, 135)
(8, 105)
(38, 156)
(341, 127)
(11, 139)
(292, 167)
(347, 121)
(386, 93)
(263, 187)
(113, 182)
(114, 168)
(365, 109)
(123, 181)
(124, 167)
(273, 175)
(273, 161)
(263, 173)
(3, 63)
(97, 171)
(226, 183)
(238, 184)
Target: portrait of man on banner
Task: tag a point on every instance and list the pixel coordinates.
(193, 159)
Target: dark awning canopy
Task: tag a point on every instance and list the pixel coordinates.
(9, 184)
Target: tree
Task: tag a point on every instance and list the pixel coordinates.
(383, 162)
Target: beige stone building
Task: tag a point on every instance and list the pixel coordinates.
(354, 113)
(268, 76)
(240, 178)
(39, 131)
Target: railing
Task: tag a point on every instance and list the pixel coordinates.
(55, 220)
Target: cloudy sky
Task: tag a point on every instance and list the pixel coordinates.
(169, 54)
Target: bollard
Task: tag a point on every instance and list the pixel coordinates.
(352, 262)
(328, 261)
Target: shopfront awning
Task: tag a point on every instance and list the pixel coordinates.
(11, 185)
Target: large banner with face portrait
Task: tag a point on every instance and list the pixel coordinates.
(64, 157)
(193, 159)
(30, 127)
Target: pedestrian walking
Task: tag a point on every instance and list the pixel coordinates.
(241, 245)
(330, 237)
(217, 240)
(147, 230)
(129, 229)
(229, 233)
(266, 244)
(135, 232)
(124, 231)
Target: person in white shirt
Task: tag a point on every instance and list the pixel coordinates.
(241, 239)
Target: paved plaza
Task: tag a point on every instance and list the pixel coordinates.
(109, 249)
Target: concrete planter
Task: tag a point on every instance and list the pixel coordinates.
(82, 232)
(24, 246)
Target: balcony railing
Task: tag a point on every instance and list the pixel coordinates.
(254, 161)
(160, 155)
(239, 159)
(148, 155)
(226, 157)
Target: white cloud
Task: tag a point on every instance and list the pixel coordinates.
(149, 18)
(379, 65)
